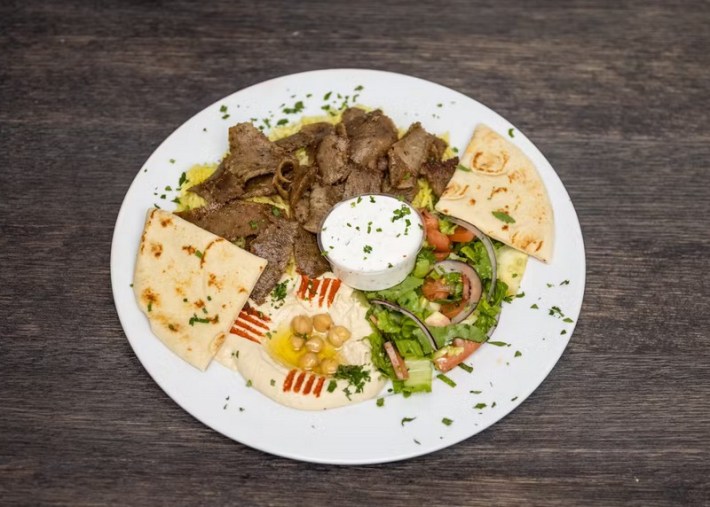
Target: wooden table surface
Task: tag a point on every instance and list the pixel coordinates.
(615, 94)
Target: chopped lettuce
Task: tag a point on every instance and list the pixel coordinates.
(475, 253)
(425, 261)
(379, 356)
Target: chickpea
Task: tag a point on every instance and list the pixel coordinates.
(308, 361)
(322, 322)
(314, 344)
(296, 342)
(338, 335)
(302, 324)
(328, 366)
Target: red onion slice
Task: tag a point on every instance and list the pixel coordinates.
(488, 244)
(410, 315)
(475, 290)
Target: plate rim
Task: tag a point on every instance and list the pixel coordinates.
(115, 246)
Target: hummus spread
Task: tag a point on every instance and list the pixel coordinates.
(254, 347)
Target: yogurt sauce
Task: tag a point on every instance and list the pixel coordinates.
(371, 241)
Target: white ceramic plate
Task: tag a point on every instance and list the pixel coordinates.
(503, 376)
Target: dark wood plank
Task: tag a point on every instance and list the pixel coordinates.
(616, 96)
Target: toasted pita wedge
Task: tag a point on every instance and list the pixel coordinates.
(499, 190)
(191, 285)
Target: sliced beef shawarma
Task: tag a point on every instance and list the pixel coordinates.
(352, 118)
(251, 154)
(236, 219)
(275, 244)
(407, 155)
(309, 259)
(407, 194)
(437, 149)
(362, 181)
(321, 200)
(302, 208)
(260, 186)
(371, 138)
(332, 159)
(438, 174)
(303, 179)
(308, 137)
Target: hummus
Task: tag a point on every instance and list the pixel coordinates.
(254, 346)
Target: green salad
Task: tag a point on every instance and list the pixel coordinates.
(446, 308)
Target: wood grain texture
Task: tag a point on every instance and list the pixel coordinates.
(614, 93)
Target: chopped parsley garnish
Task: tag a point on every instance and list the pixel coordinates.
(275, 211)
(401, 212)
(367, 249)
(372, 199)
(327, 95)
(447, 421)
(195, 319)
(297, 108)
(198, 254)
(223, 109)
(183, 179)
(564, 282)
(272, 382)
(556, 312)
(331, 386)
(503, 217)
(355, 375)
(358, 88)
(499, 344)
(172, 160)
(564, 331)
(282, 121)
(479, 406)
(225, 116)
(567, 319)
(389, 265)
(465, 367)
(369, 227)
(253, 224)
(518, 353)
(510, 132)
(475, 392)
(380, 402)
(168, 188)
(150, 306)
(446, 380)
(278, 295)
(209, 298)
(463, 168)
(534, 306)
(406, 420)
(379, 229)
(513, 399)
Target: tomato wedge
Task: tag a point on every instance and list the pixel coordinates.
(448, 362)
(435, 290)
(430, 221)
(438, 240)
(451, 310)
(400, 369)
(461, 235)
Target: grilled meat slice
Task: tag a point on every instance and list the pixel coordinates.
(236, 219)
(275, 244)
(309, 259)
(438, 174)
